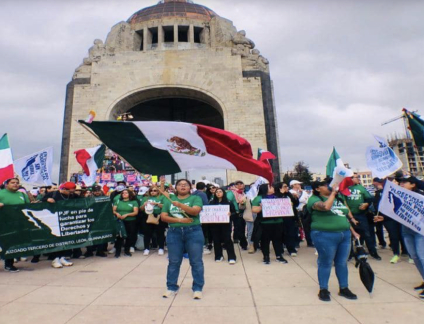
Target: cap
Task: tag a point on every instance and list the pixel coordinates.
(68, 186)
(411, 180)
(142, 191)
(293, 182)
(378, 180)
(96, 188)
(238, 182)
(317, 184)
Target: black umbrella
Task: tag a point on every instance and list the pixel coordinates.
(365, 272)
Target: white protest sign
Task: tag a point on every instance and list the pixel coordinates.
(280, 207)
(404, 206)
(382, 161)
(215, 214)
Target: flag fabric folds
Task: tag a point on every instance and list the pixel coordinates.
(416, 126)
(336, 168)
(91, 159)
(170, 147)
(404, 206)
(6, 159)
(264, 155)
(36, 168)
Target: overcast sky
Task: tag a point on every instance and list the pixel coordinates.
(340, 68)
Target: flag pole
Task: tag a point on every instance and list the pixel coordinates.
(420, 165)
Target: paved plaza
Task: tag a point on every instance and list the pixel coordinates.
(129, 290)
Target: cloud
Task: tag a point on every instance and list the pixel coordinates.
(340, 68)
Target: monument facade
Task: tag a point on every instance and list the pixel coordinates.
(177, 61)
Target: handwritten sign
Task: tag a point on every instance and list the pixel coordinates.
(281, 207)
(215, 214)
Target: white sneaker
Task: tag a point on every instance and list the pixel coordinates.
(411, 261)
(112, 251)
(293, 254)
(316, 252)
(132, 250)
(232, 262)
(219, 260)
(24, 259)
(197, 295)
(146, 252)
(56, 263)
(65, 262)
(169, 294)
(207, 251)
(161, 252)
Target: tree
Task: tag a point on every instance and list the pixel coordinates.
(301, 173)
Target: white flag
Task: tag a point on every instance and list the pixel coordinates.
(404, 206)
(36, 168)
(253, 191)
(382, 161)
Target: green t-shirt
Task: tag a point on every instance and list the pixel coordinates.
(334, 220)
(173, 211)
(274, 220)
(358, 195)
(13, 198)
(157, 199)
(126, 207)
(232, 199)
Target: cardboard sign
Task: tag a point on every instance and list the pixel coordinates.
(215, 214)
(281, 207)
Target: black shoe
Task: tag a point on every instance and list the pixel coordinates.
(310, 245)
(421, 295)
(244, 248)
(128, 254)
(88, 254)
(281, 260)
(35, 259)
(11, 269)
(266, 260)
(117, 256)
(375, 256)
(236, 241)
(346, 293)
(420, 287)
(101, 254)
(324, 295)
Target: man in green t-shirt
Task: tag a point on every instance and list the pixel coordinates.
(358, 203)
(11, 196)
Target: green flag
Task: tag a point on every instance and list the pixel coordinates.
(416, 126)
(332, 163)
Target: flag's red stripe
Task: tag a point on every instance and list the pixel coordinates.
(6, 173)
(266, 155)
(234, 149)
(82, 158)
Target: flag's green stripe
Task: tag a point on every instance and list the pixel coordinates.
(331, 164)
(4, 142)
(126, 140)
(99, 156)
(417, 129)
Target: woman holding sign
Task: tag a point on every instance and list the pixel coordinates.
(331, 235)
(272, 228)
(182, 211)
(221, 233)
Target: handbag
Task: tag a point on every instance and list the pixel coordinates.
(247, 214)
(152, 219)
(120, 229)
(139, 245)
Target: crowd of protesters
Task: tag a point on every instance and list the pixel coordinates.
(165, 217)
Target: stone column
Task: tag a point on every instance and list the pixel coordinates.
(175, 34)
(145, 37)
(161, 36)
(191, 34)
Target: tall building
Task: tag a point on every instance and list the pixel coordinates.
(412, 158)
(174, 61)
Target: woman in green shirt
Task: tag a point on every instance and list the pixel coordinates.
(126, 209)
(272, 228)
(331, 235)
(184, 233)
(155, 200)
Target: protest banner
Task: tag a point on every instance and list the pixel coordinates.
(32, 229)
(106, 177)
(404, 206)
(215, 214)
(118, 177)
(281, 207)
(36, 168)
(382, 160)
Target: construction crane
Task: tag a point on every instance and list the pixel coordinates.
(405, 123)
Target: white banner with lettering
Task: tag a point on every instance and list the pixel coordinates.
(36, 168)
(213, 214)
(382, 160)
(280, 207)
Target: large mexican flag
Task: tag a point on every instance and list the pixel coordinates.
(170, 147)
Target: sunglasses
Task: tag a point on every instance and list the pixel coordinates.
(154, 190)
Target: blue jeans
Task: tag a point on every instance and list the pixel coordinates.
(190, 239)
(415, 244)
(332, 247)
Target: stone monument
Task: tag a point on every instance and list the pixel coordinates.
(175, 61)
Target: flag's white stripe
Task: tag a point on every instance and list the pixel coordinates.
(92, 150)
(5, 158)
(159, 135)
